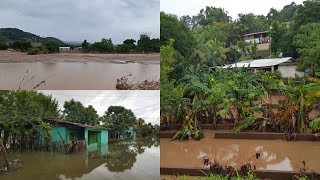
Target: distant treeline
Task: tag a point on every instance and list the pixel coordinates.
(144, 44)
(45, 47)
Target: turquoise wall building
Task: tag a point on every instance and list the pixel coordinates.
(70, 132)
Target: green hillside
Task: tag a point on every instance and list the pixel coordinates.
(14, 34)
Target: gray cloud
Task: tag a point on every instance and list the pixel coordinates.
(144, 104)
(83, 19)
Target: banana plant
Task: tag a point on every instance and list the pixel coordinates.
(301, 98)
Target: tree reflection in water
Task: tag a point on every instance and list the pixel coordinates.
(122, 156)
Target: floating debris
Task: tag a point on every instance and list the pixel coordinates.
(124, 83)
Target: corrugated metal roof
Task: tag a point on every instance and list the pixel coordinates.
(256, 33)
(73, 124)
(260, 63)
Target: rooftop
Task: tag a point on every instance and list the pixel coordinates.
(256, 33)
(260, 63)
(54, 121)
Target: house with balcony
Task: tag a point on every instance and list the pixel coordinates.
(258, 37)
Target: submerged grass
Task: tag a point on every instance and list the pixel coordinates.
(250, 176)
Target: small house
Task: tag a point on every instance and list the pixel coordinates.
(64, 49)
(286, 66)
(258, 37)
(77, 48)
(64, 132)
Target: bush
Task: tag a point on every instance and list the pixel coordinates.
(3, 46)
(51, 46)
(33, 51)
(21, 45)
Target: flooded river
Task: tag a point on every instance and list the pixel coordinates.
(74, 75)
(137, 160)
(275, 154)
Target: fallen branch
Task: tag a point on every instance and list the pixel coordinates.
(124, 83)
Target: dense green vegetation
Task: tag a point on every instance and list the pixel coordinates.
(212, 30)
(118, 118)
(74, 111)
(144, 44)
(191, 93)
(22, 114)
(13, 34)
(33, 44)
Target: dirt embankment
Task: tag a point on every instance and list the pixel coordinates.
(10, 56)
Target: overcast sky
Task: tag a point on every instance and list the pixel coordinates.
(234, 7)
(144, 104)
(76, 20)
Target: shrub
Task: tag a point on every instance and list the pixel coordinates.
(3, 46)
(33, 51)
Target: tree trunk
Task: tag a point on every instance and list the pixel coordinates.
(167, 117)
(5, 138)
(5, 155)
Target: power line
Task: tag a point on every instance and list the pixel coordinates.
(150, 113)
(144, 107)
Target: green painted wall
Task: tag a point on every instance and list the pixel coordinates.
(100, 135)
(55, 135)
(104, 137)
(74, 134)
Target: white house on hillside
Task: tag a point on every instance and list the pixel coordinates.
(64, 49)
(285, 65)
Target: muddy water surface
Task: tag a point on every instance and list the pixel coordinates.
(74, 76)
(138, 160)
(275, 154)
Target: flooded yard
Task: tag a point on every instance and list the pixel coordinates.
(74, 75)
(131, 160)
(275, 154)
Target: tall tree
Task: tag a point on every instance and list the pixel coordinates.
(253, 23)
(21, 115)
(74, 111)
(172, 28)
(309, 12)
(308, 43)
(119, 118)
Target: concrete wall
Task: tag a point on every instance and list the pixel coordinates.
(289, 71)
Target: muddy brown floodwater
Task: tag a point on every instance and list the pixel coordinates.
(74, 75)
(275, 154)
(133, 160)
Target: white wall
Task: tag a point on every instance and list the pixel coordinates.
(289, 71)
